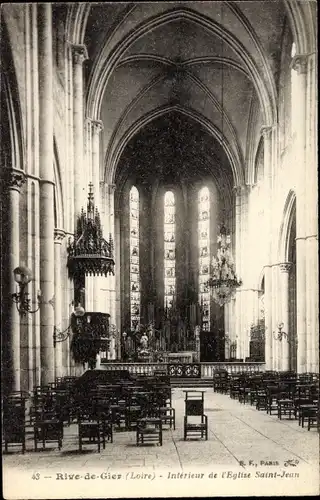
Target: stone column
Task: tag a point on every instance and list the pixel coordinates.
(97, 127)
(59, 235)
(79, 56)
(46, 191)
(227, 329)
(97, 281)
(276, 315)
(17, 179)
(311, 210)
(111, 278)
(299, 64)
(117, 255)
(312, 304)
(267, 137)
(284, 289)
(246, 300)
(238, 202)
(243, 302)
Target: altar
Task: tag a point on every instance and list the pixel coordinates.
(168, 357)
(180, 357)
(173, 340)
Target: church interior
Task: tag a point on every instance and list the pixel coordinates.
(159, 210)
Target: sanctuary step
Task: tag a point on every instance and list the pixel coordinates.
(190, 382)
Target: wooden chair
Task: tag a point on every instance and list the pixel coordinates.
(149, 430)
(313, 418)
(307, 412)
(272, 398)
(298, 402)
(195, 421)
(103, 415)
(48, 427)
(163, 405)
(89, 428)
(261, 399)
(234, 388)
(133, 410)
(14, 421)
(285, 407)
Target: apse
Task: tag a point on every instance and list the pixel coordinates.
(167, 233)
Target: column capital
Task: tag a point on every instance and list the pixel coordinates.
(16, 179)
(299, 63)
(111, 188)
(59, 235)
(80, 53)
(285, 267)
(97, 126)
(241, 189)
(266, 131)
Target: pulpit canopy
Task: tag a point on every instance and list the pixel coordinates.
(89, 253)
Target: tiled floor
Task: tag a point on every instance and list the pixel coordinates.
(247, 452)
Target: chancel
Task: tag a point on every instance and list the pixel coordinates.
(159, 213)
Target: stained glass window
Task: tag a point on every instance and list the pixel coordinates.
(169, 249)
(204, 254)
(134, 258)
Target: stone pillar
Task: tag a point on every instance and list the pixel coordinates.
(284, 289)
(267, 137)
(111, 190)
(312, 304)
(244, 271)
(17, 179)
(46, 191)
(238, 202)
(275, 314)
(299, 64)
(243, 303)
(311, 210)
(98, 296)
(117, 255)
(79, 56)
(59, 235)
(111, 278)
(97, 126)
(227, 329)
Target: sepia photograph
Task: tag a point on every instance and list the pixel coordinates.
(159, 249)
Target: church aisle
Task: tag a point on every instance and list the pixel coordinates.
(238, 436)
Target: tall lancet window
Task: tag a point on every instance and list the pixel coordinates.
(204, 254)
(134, 258)
(169, 250)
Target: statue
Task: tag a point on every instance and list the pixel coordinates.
(144, 341)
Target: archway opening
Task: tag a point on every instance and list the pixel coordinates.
(172, 154)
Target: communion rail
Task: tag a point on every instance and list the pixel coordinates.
(206, 369)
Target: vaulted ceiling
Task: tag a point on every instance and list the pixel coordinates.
(215, 64)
